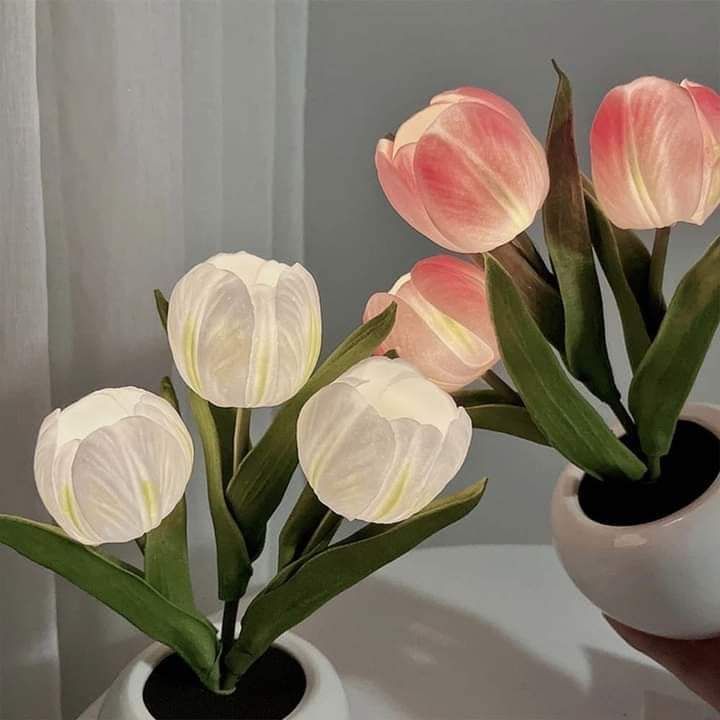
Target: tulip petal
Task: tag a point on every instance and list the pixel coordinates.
(450, 458)
(643, 139)
(413, 340)
(344, 448)
(398, 184)
(299, 322)
(457, 288)
(483, 97)
(413, 128)
(707, 106)
(416, 448)
(481, 176)
(263, 375)
(127, 477)
(99, 408)
(164, 414)
(210, 330)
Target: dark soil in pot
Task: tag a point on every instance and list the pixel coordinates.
(270, 690)
(688, 470)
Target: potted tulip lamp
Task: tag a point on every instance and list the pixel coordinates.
(377, 442)
(636, 515)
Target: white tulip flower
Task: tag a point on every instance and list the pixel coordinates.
(381, 441)
(112, 465)
(245, 332)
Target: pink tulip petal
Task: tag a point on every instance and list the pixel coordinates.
(484, 97)
(647, 154)
(398, 184)
(481, 177)
(412, 129)
(415, 342)
(707, 106)
(457, 288)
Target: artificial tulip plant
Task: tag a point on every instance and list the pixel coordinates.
(379, 438)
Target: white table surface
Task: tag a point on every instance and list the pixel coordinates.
(486, 633)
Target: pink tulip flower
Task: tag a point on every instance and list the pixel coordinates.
(443, 324)
(655, 149)
(466, 171)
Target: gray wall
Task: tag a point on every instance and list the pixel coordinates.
(373, 63)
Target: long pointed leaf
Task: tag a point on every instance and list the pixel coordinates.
(526, 246)
(470, 398)
(507, 419)
(233, 561)
(120, 588)
(666, 376)
(543, 300)
(299, 591)
(634, 258)
(566, 419)
(308, 518)
(260, 482)
(167, 567)
(602, 233)
(568, 240)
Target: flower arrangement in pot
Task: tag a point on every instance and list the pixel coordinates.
(635, 516)
(376, 439)
(384, 424)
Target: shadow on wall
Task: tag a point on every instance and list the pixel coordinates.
(431, 661)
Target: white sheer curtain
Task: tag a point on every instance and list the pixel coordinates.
(136, 138)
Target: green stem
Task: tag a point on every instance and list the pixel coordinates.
(654, 467)
(624, 417)
(227, 632)
(241, 436)
(502, 388)
(657, 272)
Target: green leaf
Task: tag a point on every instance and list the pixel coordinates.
(665, 377)
(470, 398)
(310, 525)
(260, 482)
(604, 240)
(635, 261)
(224, 419)
(567, 420)
(167, 567)
(162, 307)
(233, 561)
(165, 550)
(541, 298)
(568, 240)
(508, 419)
(303, 587)
(120, 588)
(526, 246)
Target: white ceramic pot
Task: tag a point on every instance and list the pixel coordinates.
(661, 577)
(324, 697)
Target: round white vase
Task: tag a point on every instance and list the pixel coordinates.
(324, 697)
(661, 577)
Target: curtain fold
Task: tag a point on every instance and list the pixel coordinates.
(137, 137)
(29, 676)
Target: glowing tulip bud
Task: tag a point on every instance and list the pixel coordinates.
(443, 324)
(245, 332)
(381, 441)
(655, 150)
(466, 171)
(112, 465)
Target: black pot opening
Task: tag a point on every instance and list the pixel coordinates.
(270, 690)
(688, 470)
